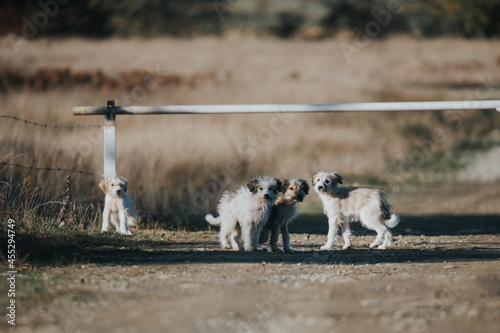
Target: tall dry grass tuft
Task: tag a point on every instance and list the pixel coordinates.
(179, 196)
(24, 198)
(35, 193)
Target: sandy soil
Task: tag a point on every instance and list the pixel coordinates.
(436, 278)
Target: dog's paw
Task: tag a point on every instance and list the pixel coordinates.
(382, 247)
(346, 246)
(325, 247)
(275, 249)
(289, 250)
(372, 245)
(261, 249)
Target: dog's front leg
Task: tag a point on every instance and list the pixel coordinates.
(124, 228)
(286, 237)
(105, 220)
(332, 233)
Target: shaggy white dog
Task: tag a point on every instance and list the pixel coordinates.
(118, 207)
(342, 204)
(245, 212)
(284, 212)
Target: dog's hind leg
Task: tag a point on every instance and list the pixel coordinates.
(381, 231)
(374, 223)
(274, 238)
(387, 239)
(256, 230)
(235, 238)
(224, 234)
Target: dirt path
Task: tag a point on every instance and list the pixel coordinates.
(448, 283)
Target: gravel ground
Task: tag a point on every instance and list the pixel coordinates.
(448, 283)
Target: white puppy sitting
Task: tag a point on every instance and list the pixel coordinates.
(118, 207)
(342, 204)
(245, 211)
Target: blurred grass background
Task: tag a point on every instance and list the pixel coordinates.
(225, 52)
(306, 18)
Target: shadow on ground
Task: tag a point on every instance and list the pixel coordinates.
(114, 249)
(430, 225)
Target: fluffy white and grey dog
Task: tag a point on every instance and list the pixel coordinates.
(342, 204)
(284, 212)
(244, 213)
(118, 206)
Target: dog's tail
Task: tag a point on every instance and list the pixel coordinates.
(213, 220)
(393, 221)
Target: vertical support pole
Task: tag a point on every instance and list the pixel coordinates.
(110, 140)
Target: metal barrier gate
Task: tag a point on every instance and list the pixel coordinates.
(110, 111)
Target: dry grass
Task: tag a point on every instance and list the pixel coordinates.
(178, 165)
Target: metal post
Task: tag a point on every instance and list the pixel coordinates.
(110, 140)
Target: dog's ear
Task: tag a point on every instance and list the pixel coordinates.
(103, 185)
(125, 182)
(284, 184)
(337, 176)
(314, 179)
(252, 185)
(279, 184)
(304, 186)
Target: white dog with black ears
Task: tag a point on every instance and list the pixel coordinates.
(244, 213)
(342, 204)
(118, 206)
